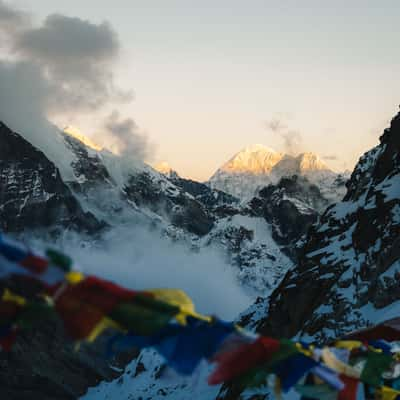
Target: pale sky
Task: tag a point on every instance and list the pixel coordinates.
(208, 75)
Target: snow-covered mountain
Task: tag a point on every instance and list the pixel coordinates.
(256, 166)
(112, 192)
(347, 275)
(185, 210)
(165, 168)
(92, 193)
(32, 192)
(132, 191)
(246, 171)
(256, 159)
(75, 185)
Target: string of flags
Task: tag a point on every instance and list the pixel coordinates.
(365, 363)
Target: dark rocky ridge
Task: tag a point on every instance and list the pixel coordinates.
(33, 196)
(88, 167)
(210, 198)
(144, 188)
(291, 207)
(32, 193)
(345, 255)
(350, 262)
(183, 211)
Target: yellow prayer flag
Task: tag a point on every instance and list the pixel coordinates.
(74, 277)
(14, 298)
(179, 298)
(303, 350)
(387, 393)
(348, 344)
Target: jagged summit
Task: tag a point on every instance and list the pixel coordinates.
(77, 134)
(259, 159)
(255, 159)
(304, 164)
(257, 166)
(165, 168)
(311, 161)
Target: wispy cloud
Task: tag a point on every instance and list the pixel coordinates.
(139, 258)
(292, 139)
(125, 137)
(330, 157)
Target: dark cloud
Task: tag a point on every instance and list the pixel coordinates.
(12, 19)
(292, 139)
(77, 55)
(65, 40)
(72, 57)
(62, 67)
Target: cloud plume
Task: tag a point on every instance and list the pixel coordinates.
(292, 139)
(11, 21)
(125, 137)
(139, 258)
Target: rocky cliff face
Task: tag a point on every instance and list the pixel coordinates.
(210, 198)
(348, 271)
(164, 198)
(88, 166)
(116, 190)
(32, 193)
(347, 275)
(263, 236)
(291, 207)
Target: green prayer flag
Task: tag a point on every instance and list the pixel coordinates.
(144, 315)
(61, 260)
(376, 365)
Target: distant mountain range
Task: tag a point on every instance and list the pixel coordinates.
(256, 166)
(345, 274)
(319, 268)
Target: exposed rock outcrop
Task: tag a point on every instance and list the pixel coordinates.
(291, 207)
(349, 265)
(32, 193)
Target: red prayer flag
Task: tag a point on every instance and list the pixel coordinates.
(35, 264)
(7, 342)
(235, 363)
(349, 392)
(107, 287)
(83, 305)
